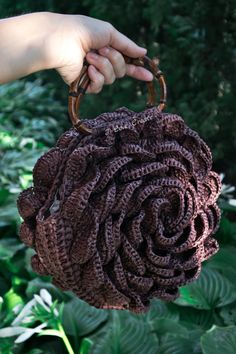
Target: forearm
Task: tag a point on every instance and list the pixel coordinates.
(22, 45)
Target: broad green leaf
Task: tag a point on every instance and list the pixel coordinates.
(165, 325)
(136, 338)
(225, 262)
(219, 340)
(124, 335)
(201, 318)
(79, 318)
(158, 309)
(210, 290)
(172, 344)
(225, 258)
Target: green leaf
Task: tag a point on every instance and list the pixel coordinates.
(228, 313)
(201, 318)
(124, 335)
(165, 325)
(225, 258)
(158, 309)
(210, 290)
(219, 340)
(80, 319)
(225, 262)
(172, 344)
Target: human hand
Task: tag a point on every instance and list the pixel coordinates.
(46, 40)
(73, 37)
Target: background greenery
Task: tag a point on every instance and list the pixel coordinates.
(195, 41)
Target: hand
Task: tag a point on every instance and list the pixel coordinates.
(62, 43)
(74, 37)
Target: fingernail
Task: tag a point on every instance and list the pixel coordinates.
(104, 51)
(92, 55)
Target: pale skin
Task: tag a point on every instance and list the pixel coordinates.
(46, 40)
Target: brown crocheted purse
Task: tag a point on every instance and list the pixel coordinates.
(123, 208)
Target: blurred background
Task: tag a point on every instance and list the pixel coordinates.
(195, 42)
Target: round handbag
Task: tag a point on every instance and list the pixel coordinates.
(123, 208)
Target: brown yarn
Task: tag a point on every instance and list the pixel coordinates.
(125, 214)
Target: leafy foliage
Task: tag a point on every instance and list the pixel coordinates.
(195, 42)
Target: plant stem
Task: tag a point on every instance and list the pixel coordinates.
(65, 339)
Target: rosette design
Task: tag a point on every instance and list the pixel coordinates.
(126, 213)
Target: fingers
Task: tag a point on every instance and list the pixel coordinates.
(111, 65)
(121, 68)
(139, 73)
(97, 80)
(116, 59)
(104, 66)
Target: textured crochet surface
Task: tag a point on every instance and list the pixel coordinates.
(126, 213)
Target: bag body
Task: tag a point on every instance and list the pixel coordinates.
(125, 213)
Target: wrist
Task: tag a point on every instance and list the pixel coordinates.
(38, 28)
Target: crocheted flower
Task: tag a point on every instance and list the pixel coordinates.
(126, 213)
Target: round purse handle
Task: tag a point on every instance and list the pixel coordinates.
(79, 86)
